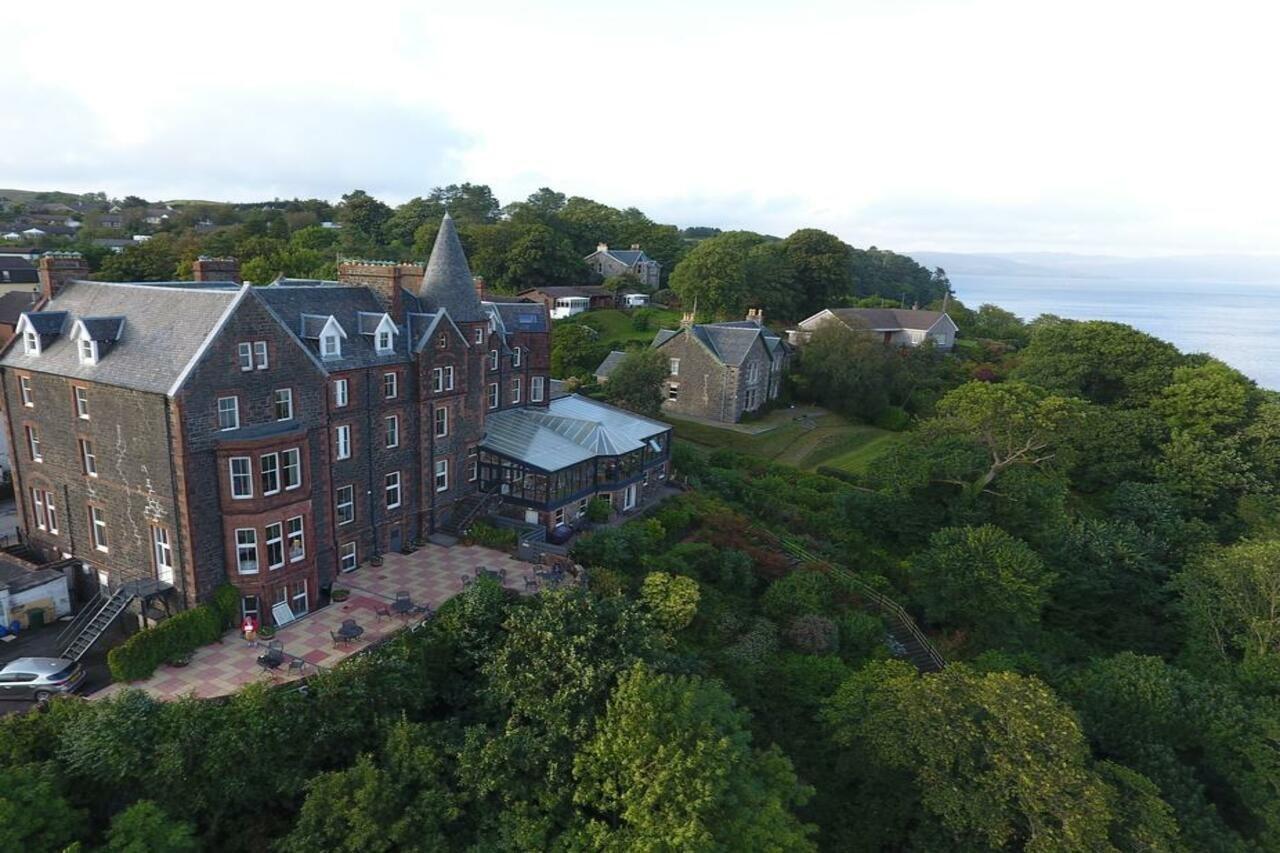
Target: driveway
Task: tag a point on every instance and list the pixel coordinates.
(42, 643)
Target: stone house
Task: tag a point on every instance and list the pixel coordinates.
(719, 371)
(607, 263)
(189, 434)
(897, 326)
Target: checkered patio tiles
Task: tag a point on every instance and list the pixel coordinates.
(432, 575)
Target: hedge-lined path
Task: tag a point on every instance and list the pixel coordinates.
(432, 575)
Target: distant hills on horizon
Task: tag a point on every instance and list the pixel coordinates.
(1211, 268)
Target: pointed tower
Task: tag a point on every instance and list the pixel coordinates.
(447, 282)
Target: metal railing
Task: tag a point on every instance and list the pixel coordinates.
(879, 599)
(86, 615)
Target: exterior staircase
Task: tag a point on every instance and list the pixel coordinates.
(98, 615)
(467, 511)
(905, 637)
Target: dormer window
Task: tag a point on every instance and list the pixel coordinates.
(331, 346)
(88, 352)
(326, 332)
(30, 342)
(381, 328)
(383, 344)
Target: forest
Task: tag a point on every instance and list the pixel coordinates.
(1083, 520)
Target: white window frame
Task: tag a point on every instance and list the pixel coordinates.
(442, 475)
(295, 530)
(342, 441)
(245, 351)
(245, 477)
(33, 444)
(390, 485)
(390, 385)
(537, 388)
(673, 366)
(81, 395)
(493, 359)
(37, 508)
(269, 469)
(294, 596)
(493, 395)
(286, 400)
(516, 388)
(347, 551)
(88, 459)
(247, 612)
(98, 527)
(233, 412)
(440, 421)
(349, 503)
(673, 392)
(161, 548)
(30, 342)
(330, 346)
(391, 429)
(437, 380)
(87, 351)
(243, 544)
(341, 393)
(24, 385)
(273, 534)
(291, 460)
(448, 377)
(515, 357)
(473, 465)
(260, 355)
(51, 512)
(480, 334)
(382, 342)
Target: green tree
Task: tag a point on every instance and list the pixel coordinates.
(1231, 598)
(575, 350)
(144, 827)
(636, 383)
(364, 213)
(848, 371)
(1206, 400)
(982, 579)
(821, 263)
(539, 257)
(1100, 361)
(995, 760)
(714, 274)
(671, 767)
(33, 813)
(672, 599)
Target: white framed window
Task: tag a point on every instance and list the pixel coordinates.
(24, 384)
(228, 413)
(260, 351)
(33, 444)
(392, 488)
(269, 466)
(88, 460)
(382, 343)
(390, 385)
(284, 404)
(51, 512)
(82, 403)
(297, 541)
(245, 351)
(37, 509)
(162, 550)
(241, 468)
(537, 388)
(673, 391)
(674, 367)
(30, 342)
(582, 507)
(392, 424)
(88, 351)
(442, 340)
(515, 390)
(98, 527)
(493, 359)
(330, 346)
(559, 516)
(246, 551)
(347, 560)
(441, 421)
(292, 468)
(346, 504)
(275, 545)
(342, 442)
(448, 378)
(340, 389)
(473, 465)
(480, 334)
(298, 597)
(437, 380)
(442, 475)
(493, 395)
(515, 357)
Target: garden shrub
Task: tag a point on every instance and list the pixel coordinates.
(180, 634)
(226, 600)
(797, 594)
(813, 634)
(642, 319)
(608, 583)
(756, 645)
(491, 536)
(862, 636)
(598, 510)
(893, 418)
(672, 599)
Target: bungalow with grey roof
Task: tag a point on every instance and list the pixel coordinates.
(897, 326)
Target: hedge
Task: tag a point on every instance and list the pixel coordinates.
(483, 533)
(137, 657)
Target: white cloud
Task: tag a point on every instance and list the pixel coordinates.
(1127, 127)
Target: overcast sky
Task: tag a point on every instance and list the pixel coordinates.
(1123, 127)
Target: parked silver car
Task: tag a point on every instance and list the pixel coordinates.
(39, 678)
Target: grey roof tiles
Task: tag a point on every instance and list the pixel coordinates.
(447, 282)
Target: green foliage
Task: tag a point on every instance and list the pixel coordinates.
(671, 767)
(145, 828)
(599, 510)
(799, 593)
(226, 600)
(1231, 598)
(813, 634)
(636, 383)
(672, 599)
(137, 657)
(1207, 400)
(981, 579)
(1102, 362)
(575, 350)
(893, 418)
(491, 536)
(33, 813)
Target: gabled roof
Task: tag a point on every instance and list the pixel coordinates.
(13, 303)
(886, 319)
(630, 257)
(166, 331)
(447, 282)
(520, 316)
(570, 430)
(98, 328)
(610, 364)
(305, 310)
(560, 292)
(729, 343)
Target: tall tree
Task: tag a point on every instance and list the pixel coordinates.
(821, 265)
(636, 383)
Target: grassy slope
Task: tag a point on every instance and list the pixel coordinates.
(615, 326)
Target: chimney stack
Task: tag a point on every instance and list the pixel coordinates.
(602, 247)
(756, 315)
(56, 269)
(385, 278)
(635, 247)
(206, 268)
(479, 280)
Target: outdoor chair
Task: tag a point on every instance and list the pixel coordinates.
(530, 583)
(273, 657)
(338, 639)
(383, 612)
(296, 664)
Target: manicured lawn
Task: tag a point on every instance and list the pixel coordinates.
(823, 439)
(616, 329)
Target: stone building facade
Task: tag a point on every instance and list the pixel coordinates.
(607, 263)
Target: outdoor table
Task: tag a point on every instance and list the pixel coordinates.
(350, 630)
(402, 606)
(497, 574)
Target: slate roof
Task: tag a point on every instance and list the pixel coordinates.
(12, 304)
(447, 282)
(103, 328)
(521, 316)
(610, 364)
(304, 310)
(166, 330)
(15, 270)
(17, 578)
(586, 291)
(570, 430)
(729, 342)
(887, 319)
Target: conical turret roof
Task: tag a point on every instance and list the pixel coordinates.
(447, 282)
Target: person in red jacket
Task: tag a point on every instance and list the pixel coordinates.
(250, 629)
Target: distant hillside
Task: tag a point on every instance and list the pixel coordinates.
(1216, 268)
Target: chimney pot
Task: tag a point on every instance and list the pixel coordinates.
(602, 247)
(480, 288)
(58, 268)
(635, 247)
(206, 268)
